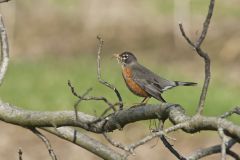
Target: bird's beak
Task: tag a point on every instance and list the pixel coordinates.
(117, 57)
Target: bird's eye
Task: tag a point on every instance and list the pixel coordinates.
(124, 57)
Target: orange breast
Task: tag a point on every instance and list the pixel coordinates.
(133, 86)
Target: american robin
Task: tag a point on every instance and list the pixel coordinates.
(143, 82)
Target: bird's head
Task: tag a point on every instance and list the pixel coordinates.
(126, 58)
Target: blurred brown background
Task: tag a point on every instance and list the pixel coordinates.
(145, 27)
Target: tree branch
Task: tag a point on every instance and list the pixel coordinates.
(211, 150)
(223, 144)
(235, 110)
(49, 121)
(82, 140)
(233, 154)
(175, 113)
(205, 25)
(201, 53)
(80, 98)
(20, 153)
(117, 144)
(171, 149)
(46, 142)
(4, 49)
(110, 105)
(100, 45)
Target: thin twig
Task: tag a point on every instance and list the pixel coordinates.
(78, 102)
(235, 110)
(46, 142)
(83, 97)
(223, 144)
(176, 127)
(233, 154)
(171, 149)
(91, 98)
(100, 45)
(156, 134)
(130, 148)
(20, 153)
(117, 144)
(101, 117)
(4, 50)
(185, 36)
(204, 55)
(167, 144)
(211, 150)
(206, 24)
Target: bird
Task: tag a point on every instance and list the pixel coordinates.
(142, 81)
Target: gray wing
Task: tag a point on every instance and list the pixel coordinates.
(150, 82)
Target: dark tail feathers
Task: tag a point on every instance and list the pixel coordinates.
(185, 83)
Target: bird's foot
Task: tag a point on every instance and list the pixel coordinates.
(138, 104)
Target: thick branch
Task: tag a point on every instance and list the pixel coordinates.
(14, 115)
(119, 119)
(20, 117)
(201, 123)
(86, 142)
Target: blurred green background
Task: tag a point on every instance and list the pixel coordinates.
(53, 41)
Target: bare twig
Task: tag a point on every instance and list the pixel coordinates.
(117, 144)
(46, 142)
(235, 110)
(145, 140)
(205, 25)
(233, 154)
(176, 127)
(211, 150)
(223, 144)
(100, 45)
(79, 100)
(154, 135)
(185, 36)
(20, 153)
(167, 144)
(4, 50)
(204, 55)
(131, 147)
(91, 98)
(171, 149)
